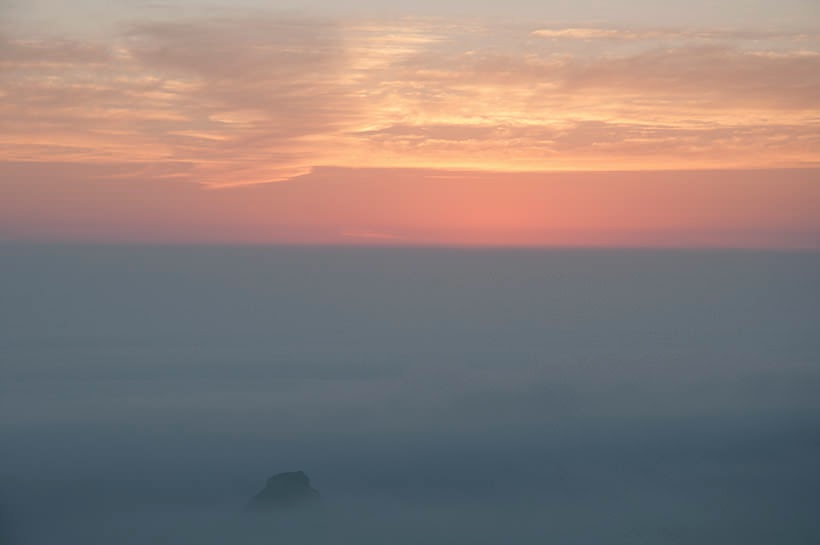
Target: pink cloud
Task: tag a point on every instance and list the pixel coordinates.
(235, 101)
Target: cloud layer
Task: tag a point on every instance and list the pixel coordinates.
(240, 100)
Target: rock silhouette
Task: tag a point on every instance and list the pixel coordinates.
(285, 491)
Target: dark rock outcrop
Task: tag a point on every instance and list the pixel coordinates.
(285, 491)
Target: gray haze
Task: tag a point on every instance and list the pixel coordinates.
(433, 396)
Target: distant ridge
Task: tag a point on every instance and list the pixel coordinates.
(283, 492)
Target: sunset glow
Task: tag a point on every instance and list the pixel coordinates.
(409, 130)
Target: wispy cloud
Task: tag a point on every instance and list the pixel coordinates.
(725, 34)
(248, 100)
(599, 33)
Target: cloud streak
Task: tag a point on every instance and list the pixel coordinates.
(234, 101)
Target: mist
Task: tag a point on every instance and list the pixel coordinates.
(432, 395)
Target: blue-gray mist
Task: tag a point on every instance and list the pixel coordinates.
(432, 395)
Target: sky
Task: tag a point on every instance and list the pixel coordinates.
(516, 123)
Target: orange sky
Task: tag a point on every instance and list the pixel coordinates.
(272, 129)
(763, 208)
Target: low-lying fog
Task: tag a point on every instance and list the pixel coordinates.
(433, 396)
